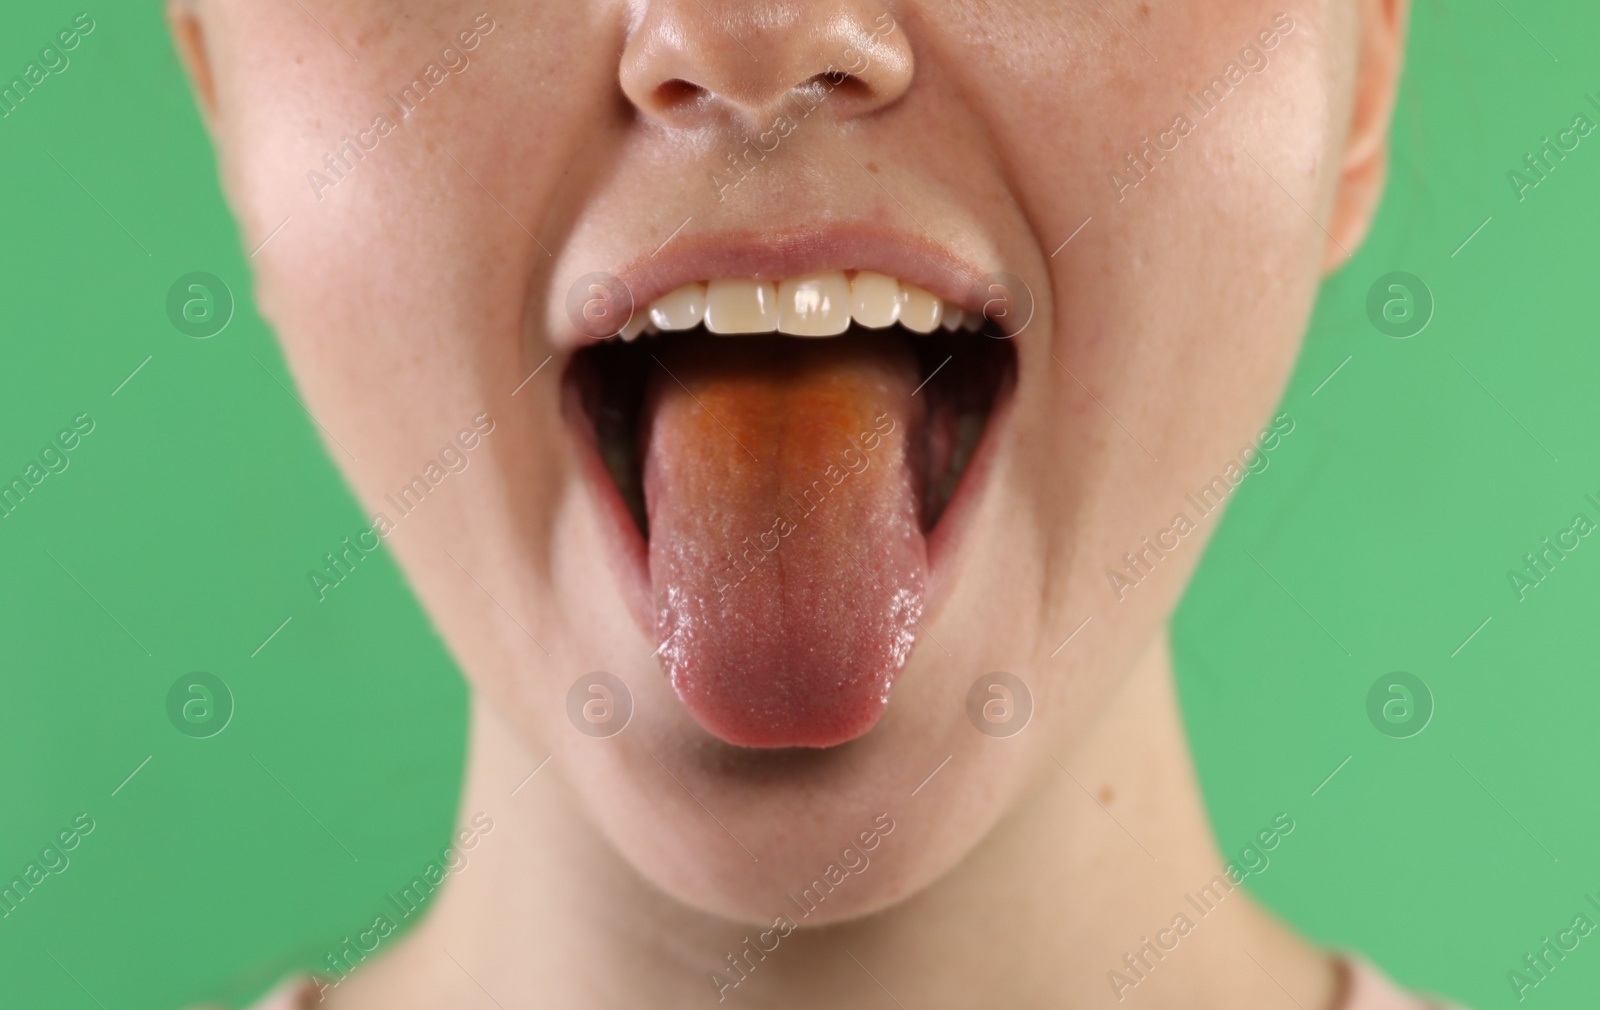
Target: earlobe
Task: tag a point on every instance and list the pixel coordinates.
(183, 21)
(1380, 51)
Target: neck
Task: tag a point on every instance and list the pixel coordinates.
(1104, 886)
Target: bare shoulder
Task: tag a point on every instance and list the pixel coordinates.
(418, 972)
(1364, 987)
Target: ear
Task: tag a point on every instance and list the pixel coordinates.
(183, 21)
(1381, 37)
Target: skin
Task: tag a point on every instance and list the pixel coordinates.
(410, 300)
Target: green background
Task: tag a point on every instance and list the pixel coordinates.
(1379, 539)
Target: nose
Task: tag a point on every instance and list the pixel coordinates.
(695, 62)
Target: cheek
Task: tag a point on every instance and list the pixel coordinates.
(1180, 305)
(412, 246)
(313, 173)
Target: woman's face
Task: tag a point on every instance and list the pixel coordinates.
(448, 206)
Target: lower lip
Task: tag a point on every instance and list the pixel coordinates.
(627, 552)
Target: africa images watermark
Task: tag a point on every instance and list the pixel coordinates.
(855, 459)
(1541, 565)
(453, 458)
(452, 61)
(53, 59)
(53, 458)
(52, 861)
(1538, 164)
(1538, 964)
(409, 900)
(1252, 60)
(853, 861)
(1140, 963)
(798, 105)
(1140, 564)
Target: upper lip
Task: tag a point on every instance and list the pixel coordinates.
(774, 256)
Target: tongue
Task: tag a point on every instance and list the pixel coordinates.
(786, 555)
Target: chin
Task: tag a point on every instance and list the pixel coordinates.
(820, 835)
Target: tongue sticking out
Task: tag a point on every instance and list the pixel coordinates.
(786, 553)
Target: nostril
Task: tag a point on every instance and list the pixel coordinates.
(678, 93)
(839, 82)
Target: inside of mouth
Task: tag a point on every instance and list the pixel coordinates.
(962, 375)
(785, 488)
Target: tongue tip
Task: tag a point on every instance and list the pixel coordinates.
(766, 731)
(787, 670)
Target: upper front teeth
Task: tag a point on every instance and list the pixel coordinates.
(680, 310)
(817, 305)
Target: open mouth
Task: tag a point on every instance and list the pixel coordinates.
(783, 453)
